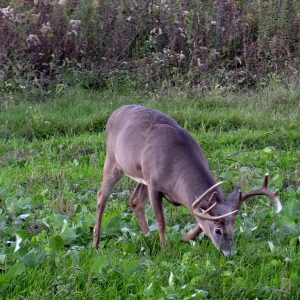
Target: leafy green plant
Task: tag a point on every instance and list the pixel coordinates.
(50, 173)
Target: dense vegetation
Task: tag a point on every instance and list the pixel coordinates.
(48, 45)
(51, 167)
(228, 71)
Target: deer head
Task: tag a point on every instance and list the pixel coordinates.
(218, 220)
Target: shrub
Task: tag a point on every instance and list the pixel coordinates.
(232, 42)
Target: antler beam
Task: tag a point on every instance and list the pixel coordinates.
(264, 190)
(204, 214)
(212, 188)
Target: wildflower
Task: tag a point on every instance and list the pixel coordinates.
(182, 32)
(153, 31)
(35, 17)
(46, 28)
(186, 13)
(33, 40)
(181, 56)
(75, 24)
(8, 13)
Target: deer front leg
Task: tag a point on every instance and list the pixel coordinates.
(192, 234)
(157, 205)
(138, 200)
(111, 175)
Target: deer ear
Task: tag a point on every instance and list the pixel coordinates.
(240, 196)
(236, 197)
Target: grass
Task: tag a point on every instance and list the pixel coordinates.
(51, 161)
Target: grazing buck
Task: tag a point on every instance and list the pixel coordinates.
(166, 161)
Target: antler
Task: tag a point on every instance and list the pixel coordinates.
(204, 214)
(197, 201)
(265, 191)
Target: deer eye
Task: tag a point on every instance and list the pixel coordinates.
(218, 231)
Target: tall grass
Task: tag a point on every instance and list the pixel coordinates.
(47, 45)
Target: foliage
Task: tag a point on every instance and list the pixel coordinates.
(50, 172)
(47, 45)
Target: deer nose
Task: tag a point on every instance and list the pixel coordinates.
(228, 249)
(227, 253)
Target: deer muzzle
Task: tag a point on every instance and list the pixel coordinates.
(228, 249)
(228, 253)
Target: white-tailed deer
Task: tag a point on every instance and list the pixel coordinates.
(166, 161)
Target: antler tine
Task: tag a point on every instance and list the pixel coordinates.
(197, 201)
(266, 180)
(204, 215)
(264, 190)
(211, 198)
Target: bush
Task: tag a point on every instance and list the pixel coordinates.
(231, 43)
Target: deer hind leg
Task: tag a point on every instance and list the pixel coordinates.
(157, 205)
(192, 234)
(138, 200)
(111, 175)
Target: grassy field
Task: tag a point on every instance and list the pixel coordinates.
(51, 159)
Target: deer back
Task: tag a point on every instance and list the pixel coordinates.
(150, 146)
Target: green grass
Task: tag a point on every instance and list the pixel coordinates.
(51, 161)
